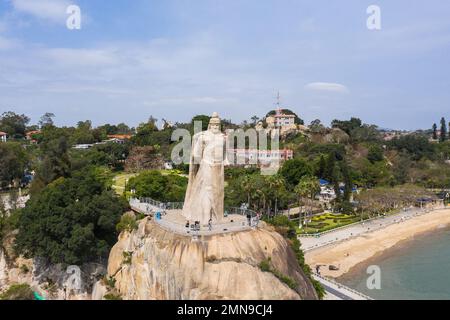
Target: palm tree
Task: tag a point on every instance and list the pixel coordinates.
(301, 191)
(247, 185)
(276, 184)
(306, 190)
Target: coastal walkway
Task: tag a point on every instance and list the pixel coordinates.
(313, 242)
(337, 291)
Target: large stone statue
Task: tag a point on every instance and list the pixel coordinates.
(205, 192)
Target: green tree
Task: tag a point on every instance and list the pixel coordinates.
(204, 119)
(55, 162)
(153, 184)
(365, 133)
(347, 126)
(330, 167)
(276, 186)
(307, 189)
(375, 153)
(293, 170)
(148, 135)
(13, 162)
(46, 120)
(14, 124)
(83, 133)
(417, 146)
(443, 130)
(348, 183)
(435, 137)
(321, 167)
(73, 221)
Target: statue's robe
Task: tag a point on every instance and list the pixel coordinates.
(205, 193)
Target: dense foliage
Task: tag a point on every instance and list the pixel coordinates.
(14, 161)
(155, 185)
(18, 292)
(287, 228)
(73, 220)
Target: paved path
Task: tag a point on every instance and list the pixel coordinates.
(142, 207)
(311, 243)
(337, 291)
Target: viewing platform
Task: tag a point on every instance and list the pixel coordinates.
(168, 216)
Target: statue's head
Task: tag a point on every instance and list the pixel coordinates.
(214, 123)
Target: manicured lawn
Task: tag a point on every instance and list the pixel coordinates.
(328, 221)
(120, 180)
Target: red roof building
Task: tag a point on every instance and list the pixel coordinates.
(120, 136)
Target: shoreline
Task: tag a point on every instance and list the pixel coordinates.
(353, 253)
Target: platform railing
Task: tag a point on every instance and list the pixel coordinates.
(179, 206)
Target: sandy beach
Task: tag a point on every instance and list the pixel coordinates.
(350, 253)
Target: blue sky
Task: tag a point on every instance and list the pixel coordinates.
(176, 58)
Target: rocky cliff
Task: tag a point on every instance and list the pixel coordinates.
(152, 263)
(53, 282)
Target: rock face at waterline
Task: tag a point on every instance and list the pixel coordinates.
(158, 264)
(53, 282)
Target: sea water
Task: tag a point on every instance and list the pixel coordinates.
(416, 269)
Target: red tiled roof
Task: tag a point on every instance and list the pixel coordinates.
(120, 136)
(3, 133)
(33, 132)
(284, 116)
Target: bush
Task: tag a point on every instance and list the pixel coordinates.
(18, 292)
(265, 265)
(112, 296)
(110, 282)
(285, 279)
(320, 290)
(127, 257)
(291, 234)
(24, 269)
(140, 216)
(127, 223)
(211, 259)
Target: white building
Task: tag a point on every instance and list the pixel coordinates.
(261, 157)
(327, 194)
(168, 165)
(3, 136)
(283, 120)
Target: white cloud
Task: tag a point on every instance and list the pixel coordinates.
(7, 44)
(327, 86)
(81, 57)
(189, 100)
(52, 10)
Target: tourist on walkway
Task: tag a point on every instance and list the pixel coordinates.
(210, 224)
